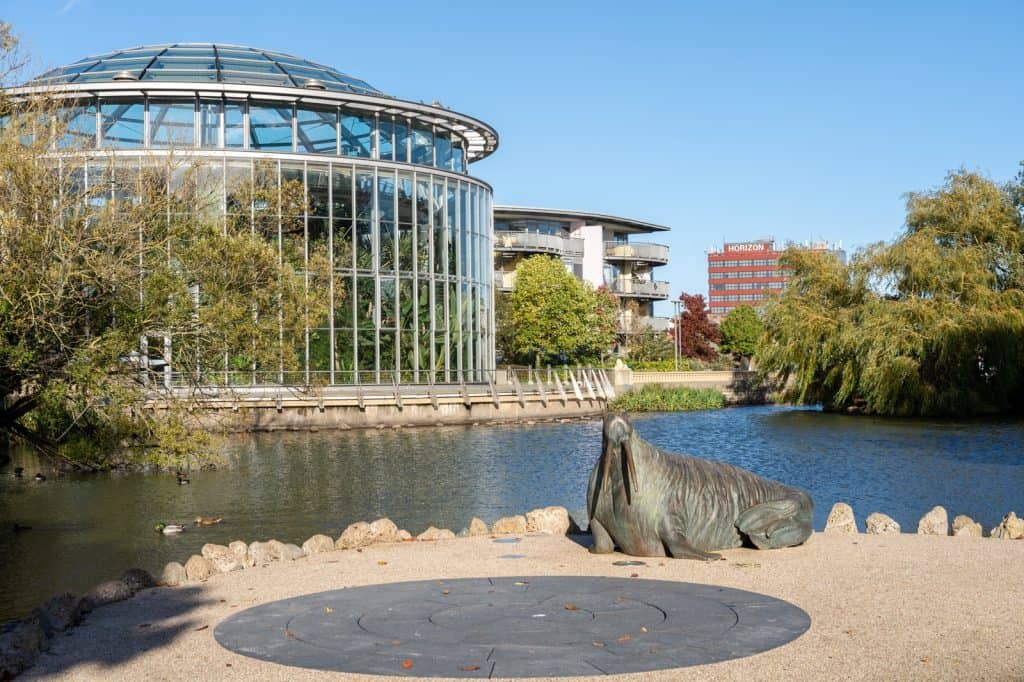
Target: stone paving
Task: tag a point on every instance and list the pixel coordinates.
(530, 626)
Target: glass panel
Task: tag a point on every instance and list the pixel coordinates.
(172, 124)
(342, 241)
(405, 198)
(317, 190)
(388, 303)
(270, 127)
(234, 125)
(387, 245)
(451, 263)
(388, 356)
(386, 195)
(317, 237)
(79, 127)
(122, 124)
(385, 139)
(341, 192)
(366, 317)
(401, 141)
(316, 131)
(423, 226)
(364, 245)
(209, 123)
(356, 134)
(443, 151)
(406, 247)
(422, 146)
(319, 352)
(458, 159)
(344, 356)
(439, 227)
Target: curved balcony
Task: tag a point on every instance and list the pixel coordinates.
(639, 288)
(504, 281)
(534, 242)
(639, 252)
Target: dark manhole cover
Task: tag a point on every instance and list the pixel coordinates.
(514, 627)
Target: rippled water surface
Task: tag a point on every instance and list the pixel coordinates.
(86, 529)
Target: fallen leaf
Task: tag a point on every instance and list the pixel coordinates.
(571, 607)
(144, 625)
(652, 650)
(396, 642)
(328, 609)
(227, 665)
(851, 632)
(289, 633)
(202, 627)
(407, 663)
(223, 600)
(634, 575)
(599, 645)
(446, 591)
(469, 668)
(382, 563)
(924, 660)
(625, 638)
(643, 628)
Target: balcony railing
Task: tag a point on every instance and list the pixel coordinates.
(639, 288)
(632, 323)
(647, 253)
(534, 242)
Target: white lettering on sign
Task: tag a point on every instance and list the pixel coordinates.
(750, 246)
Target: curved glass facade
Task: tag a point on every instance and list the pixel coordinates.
(374, 186)
(199, 122)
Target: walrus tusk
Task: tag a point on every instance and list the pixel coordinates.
(627, 450)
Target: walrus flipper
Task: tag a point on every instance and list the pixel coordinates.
(779, 523)
(678, 547)
(603, 543)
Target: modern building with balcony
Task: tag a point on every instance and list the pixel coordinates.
(384, 186)
(749, 273)
(595, 247)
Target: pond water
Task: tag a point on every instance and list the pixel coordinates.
(89, 528)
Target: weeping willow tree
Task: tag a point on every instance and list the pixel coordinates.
(931, 324)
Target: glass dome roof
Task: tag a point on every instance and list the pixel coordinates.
(205, 62)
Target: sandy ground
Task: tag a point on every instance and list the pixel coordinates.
(882, 607)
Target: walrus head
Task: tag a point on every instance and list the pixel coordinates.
(617, 450)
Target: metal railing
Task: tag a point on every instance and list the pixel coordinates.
(636, 251)
(535, 242)
(642, 288)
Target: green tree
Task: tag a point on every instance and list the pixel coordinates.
(741, 330)
(554, 317)
(85, 273)
(932, 324)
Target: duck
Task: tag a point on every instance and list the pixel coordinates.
(208, 521)
(40, 477)
(182, 479)
(169, 528)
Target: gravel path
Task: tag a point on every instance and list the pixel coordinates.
(881, 607)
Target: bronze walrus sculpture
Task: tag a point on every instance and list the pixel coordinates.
(649, 502)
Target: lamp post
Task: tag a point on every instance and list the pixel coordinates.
(677, 345)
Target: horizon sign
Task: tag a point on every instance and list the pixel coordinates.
(747, 247)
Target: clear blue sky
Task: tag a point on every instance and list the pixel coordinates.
(722, 120)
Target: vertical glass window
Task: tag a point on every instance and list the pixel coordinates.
(386, 216)
(316, 131)
(122, 124)
(209, 123)
(172, 124)
(365, 252)
(423, 146)
(356, 134)
(270, 127)
(234, 125)
(341, 192)
(385, 139)
(79, 127)
(458, 158)
(440, 243)
(443, 151)
(423, 227)
(401, 141)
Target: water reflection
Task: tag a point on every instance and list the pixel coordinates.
(289, 486)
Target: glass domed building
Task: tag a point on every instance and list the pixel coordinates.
(384, 185)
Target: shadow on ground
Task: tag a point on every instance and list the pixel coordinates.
(116, 633)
